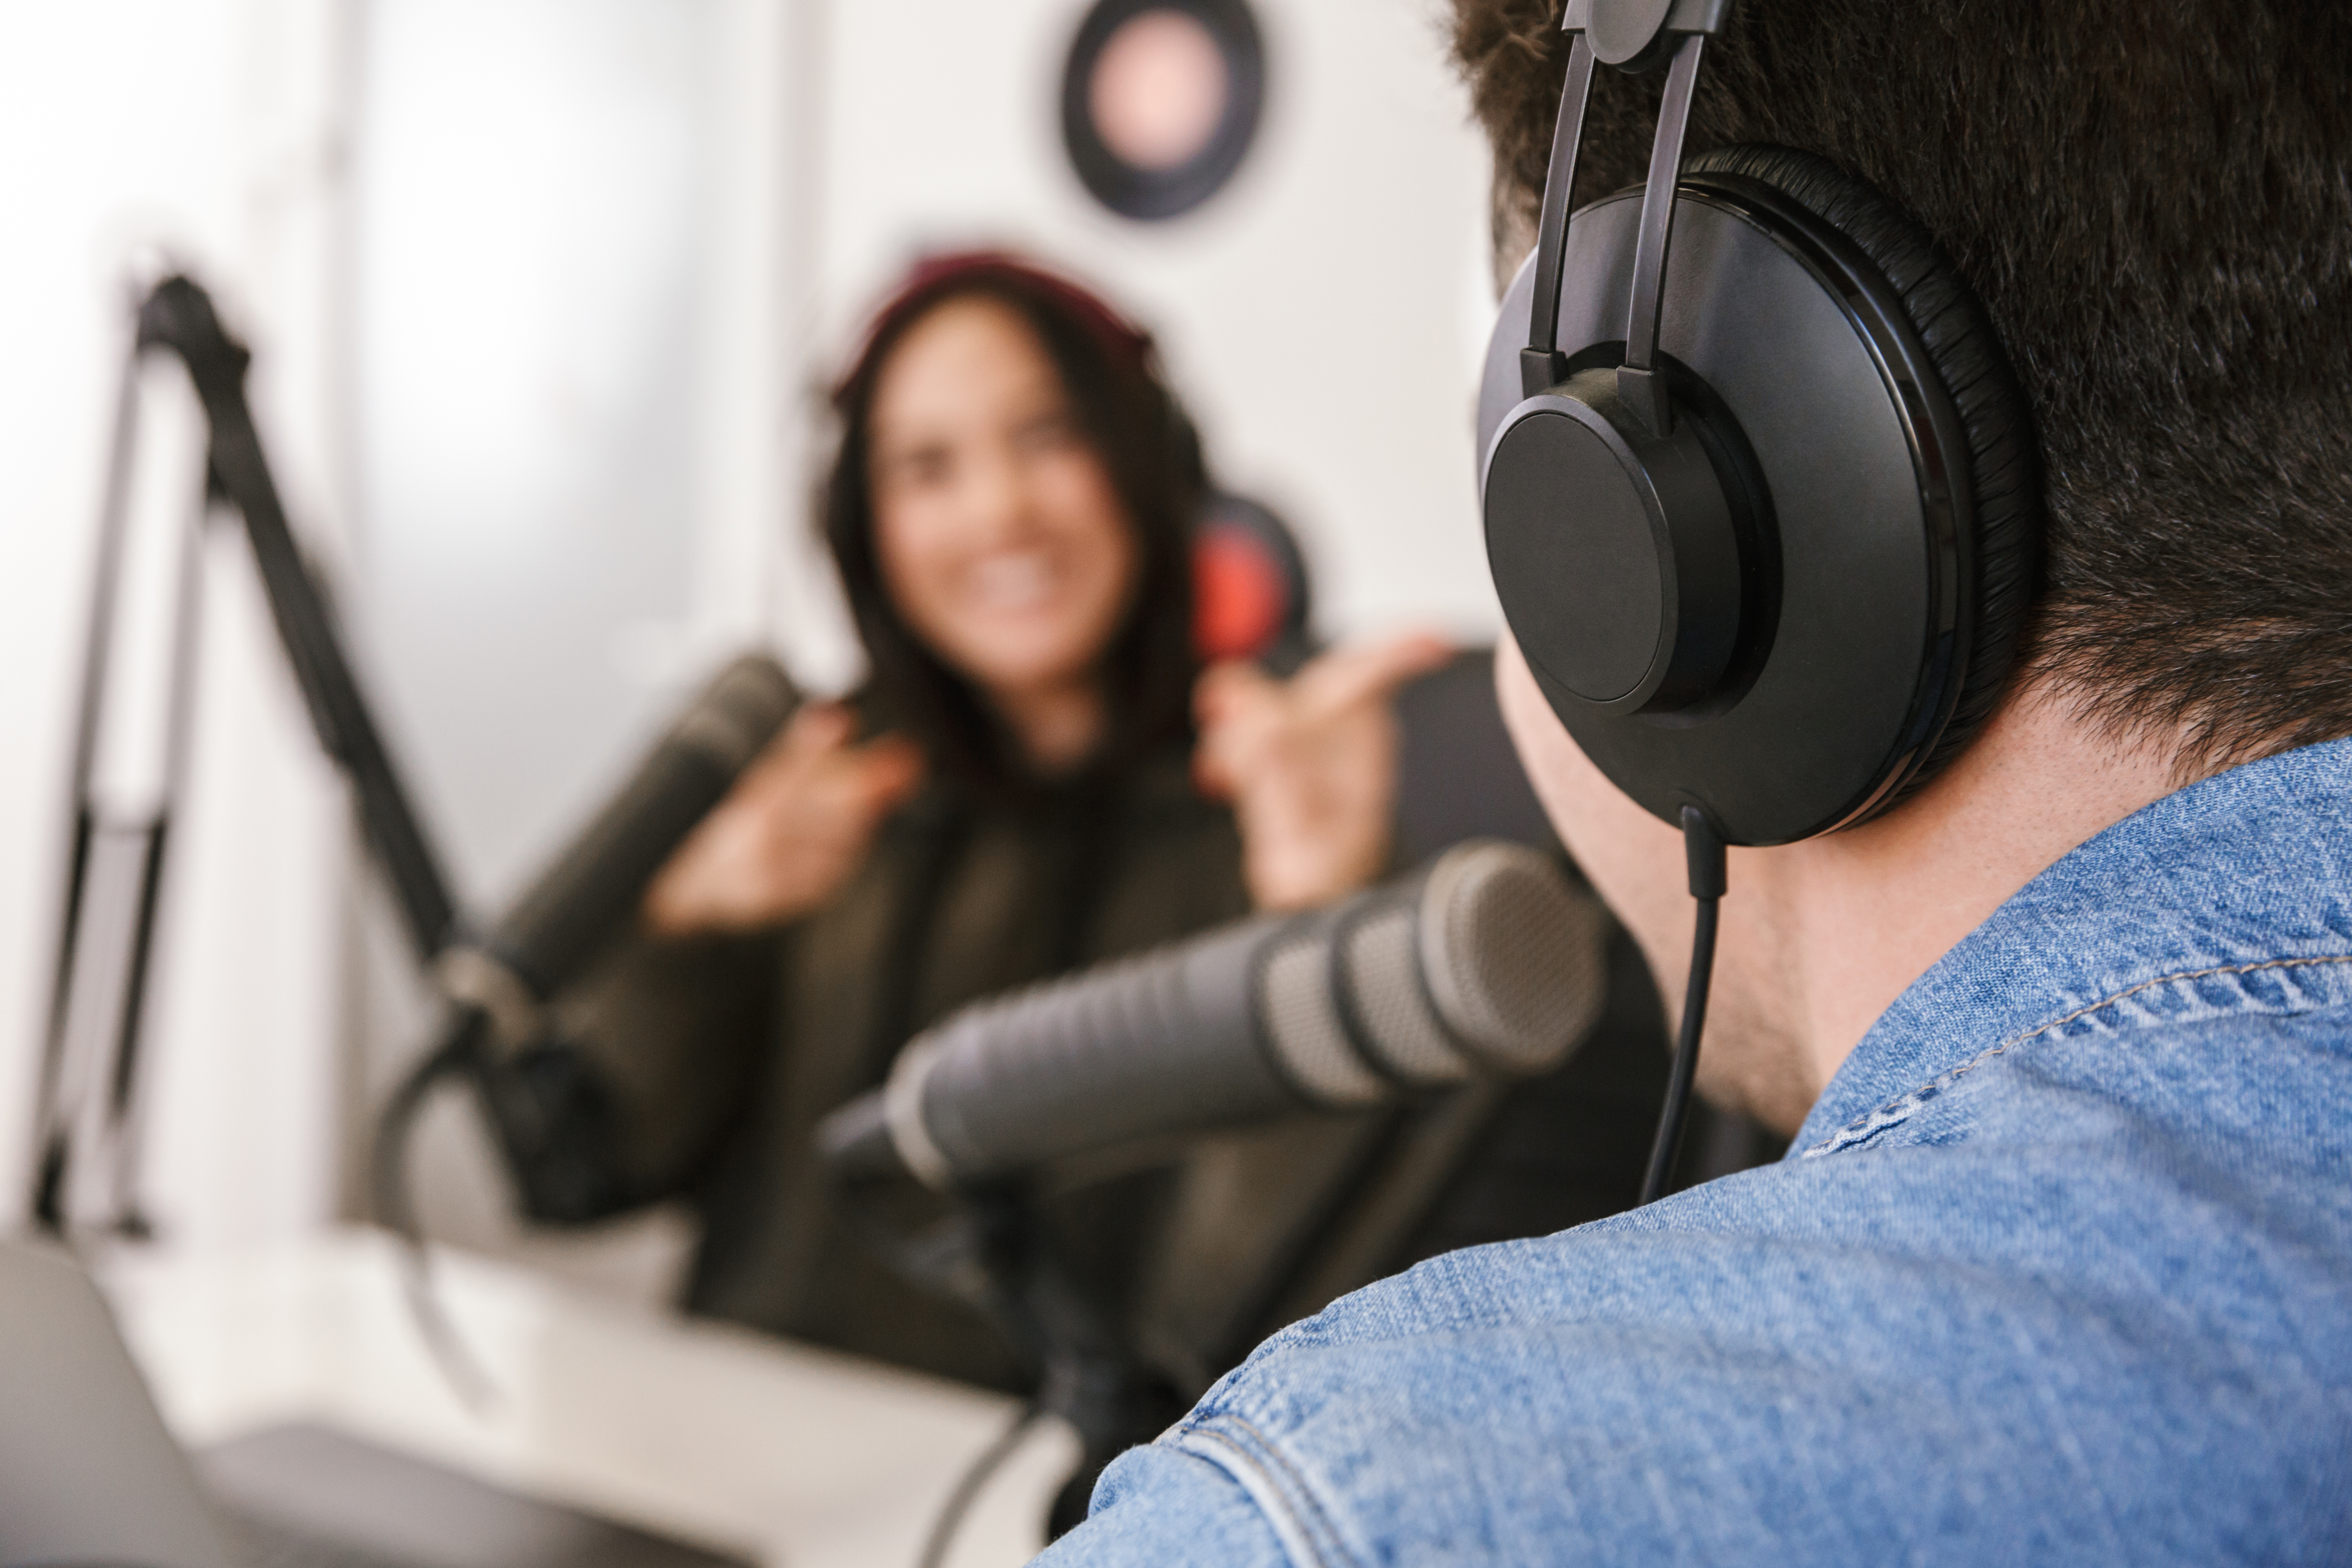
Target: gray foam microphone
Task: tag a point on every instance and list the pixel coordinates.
(1487, 961)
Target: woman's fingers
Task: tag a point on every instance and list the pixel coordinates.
(813, 757)
(819, 727)
(1229, 686)
(1367, 671)
(814, 731)
(817, 731)
(829, 805)
(880, 774)
(1232, 703)
(1249, 720)
(1309, 763)
(795, 827)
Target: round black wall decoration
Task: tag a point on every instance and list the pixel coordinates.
(1161, 100)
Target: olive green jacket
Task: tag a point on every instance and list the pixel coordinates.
(719, 1057)
(713, 1059)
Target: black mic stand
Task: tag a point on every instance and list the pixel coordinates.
(176, 317)
(992, 1254)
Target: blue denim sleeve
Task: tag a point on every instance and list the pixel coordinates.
(1159, 1505)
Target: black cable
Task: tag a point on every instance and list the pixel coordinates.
(967, 1487)
(1679, 1083)
(460, 1048)
(1703, 849)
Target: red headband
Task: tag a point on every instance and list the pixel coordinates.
(935, 278)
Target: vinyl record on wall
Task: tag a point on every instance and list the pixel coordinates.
(1160, 101)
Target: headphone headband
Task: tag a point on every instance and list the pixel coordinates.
(1634, 36)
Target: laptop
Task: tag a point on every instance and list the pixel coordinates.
(91, 1479)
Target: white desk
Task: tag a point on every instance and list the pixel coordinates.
(794, 1456)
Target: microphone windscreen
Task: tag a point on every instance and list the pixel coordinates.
(1159, 1043)
(1487, 962)
(1515, 956)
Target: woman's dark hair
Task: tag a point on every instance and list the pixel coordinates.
(1126, 412)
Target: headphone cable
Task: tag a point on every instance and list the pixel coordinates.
(1703, 849)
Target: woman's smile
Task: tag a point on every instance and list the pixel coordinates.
(1014, 581)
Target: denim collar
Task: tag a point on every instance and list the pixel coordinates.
(2247, 868)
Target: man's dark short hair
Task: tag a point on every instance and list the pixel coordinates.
(2152, 199)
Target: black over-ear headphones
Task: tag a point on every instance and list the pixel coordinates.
(1766, 524)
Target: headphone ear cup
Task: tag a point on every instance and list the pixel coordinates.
(2003, 457)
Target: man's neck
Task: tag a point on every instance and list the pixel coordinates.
(1862, 915)
(1819, 937)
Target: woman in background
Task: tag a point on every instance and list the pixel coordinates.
(1034, 778)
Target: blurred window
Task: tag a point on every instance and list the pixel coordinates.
(530, 246)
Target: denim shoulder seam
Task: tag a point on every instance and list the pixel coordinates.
(1864, 1128)
(1297, 1518)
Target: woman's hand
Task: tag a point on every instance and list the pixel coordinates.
(791, 832)
(1309, 764)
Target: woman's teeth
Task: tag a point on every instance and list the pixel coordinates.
(1013, 582)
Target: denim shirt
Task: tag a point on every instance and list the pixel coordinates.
(2058, 1270)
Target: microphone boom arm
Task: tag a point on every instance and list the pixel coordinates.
(177, 315)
